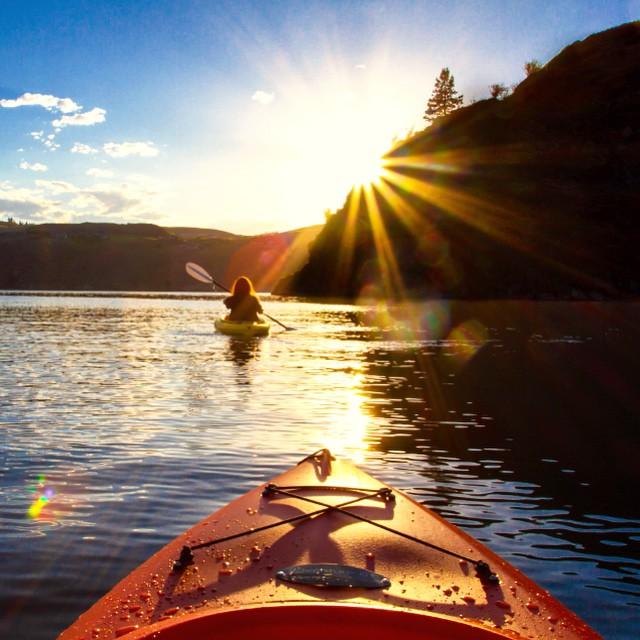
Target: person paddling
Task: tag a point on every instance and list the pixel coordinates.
(243, 302)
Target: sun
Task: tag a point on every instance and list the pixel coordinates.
(368, 171)
(355, 159)
(322, 136)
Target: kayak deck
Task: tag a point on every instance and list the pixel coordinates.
(242, 329)
(437, 589)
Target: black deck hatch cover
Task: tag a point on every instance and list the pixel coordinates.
(333, 575)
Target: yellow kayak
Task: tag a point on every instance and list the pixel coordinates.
(242, 329)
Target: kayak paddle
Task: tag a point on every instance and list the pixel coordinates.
(199, 273)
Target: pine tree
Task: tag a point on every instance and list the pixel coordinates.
(444, 98)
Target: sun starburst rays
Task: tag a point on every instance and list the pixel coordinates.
(347, 248)
(509, 223)
(391, 277)
(396, 200)
(433, 218)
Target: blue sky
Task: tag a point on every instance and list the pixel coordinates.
(249, 117)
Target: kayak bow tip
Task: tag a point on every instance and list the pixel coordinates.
(185, 559)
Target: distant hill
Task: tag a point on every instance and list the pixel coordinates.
(192, 233)
(535, 195)
(142, 257)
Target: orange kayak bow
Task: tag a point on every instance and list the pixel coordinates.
(326, 549)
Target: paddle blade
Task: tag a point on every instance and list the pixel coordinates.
(197, 272)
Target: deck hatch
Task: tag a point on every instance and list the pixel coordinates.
(333, 575)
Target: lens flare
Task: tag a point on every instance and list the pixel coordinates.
(408, 321)
(434, 318)
(467, 339)
(46, 494)
(268, 257)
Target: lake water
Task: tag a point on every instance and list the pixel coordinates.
(124, 420)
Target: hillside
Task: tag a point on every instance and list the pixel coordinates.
(141, 257)
(193, 233)
(535, 195)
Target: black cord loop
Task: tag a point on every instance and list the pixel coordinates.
(186, 556)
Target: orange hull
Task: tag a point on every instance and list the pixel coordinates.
(238, 587)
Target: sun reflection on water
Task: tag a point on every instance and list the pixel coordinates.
(344, 428)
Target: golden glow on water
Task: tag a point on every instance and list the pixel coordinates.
(342, 422)
(347, 434)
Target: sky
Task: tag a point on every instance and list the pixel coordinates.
(249, 117)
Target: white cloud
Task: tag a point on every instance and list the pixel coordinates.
(114, 202)
(9, 206)
(123, 149)
(47, 141)
(84, 119)
(83, 203)
(263, 97)
(360, 67)
(85, 149)
(56, 186)
(20, 202)
(59, 201)
(99, 173)
(36, 166)
(52, 103)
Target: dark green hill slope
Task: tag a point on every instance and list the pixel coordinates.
(536, 195)
(141, 257)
